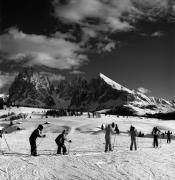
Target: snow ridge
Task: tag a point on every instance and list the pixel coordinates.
(115, 85)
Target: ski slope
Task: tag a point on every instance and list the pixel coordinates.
(87, 159)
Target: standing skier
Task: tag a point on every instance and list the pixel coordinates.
(60, 142)
(113, 125)
(108, 131)
(133, 134)
(155, 133)
(117, 129)
(35, 134)
(168, 136)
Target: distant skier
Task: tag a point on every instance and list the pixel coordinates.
(35, 134)
(163, 135)
(133, 134)
(108, 131)
(89, 115)
(93, 114)
(155, 133)
(168, 136)
(102, 127)
(61, 138)
(117, 129)
(113, 125)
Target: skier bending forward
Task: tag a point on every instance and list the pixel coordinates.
(60, 142)
(35, 134)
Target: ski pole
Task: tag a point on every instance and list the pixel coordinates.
(6, 142)
(114, 141)
(70, 141)
(160, 142)
(68, 148)
(137, 140)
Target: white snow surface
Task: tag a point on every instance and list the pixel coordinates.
(90, 161)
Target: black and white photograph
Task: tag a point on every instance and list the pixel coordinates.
(87, 90)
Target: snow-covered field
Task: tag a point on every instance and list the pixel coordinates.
(87, 159)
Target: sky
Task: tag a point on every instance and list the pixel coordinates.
(130, 41)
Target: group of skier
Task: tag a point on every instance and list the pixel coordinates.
(109, 130)
(61, 138)
(133, 134)
(156, 132)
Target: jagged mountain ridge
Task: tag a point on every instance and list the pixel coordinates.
(33, 89)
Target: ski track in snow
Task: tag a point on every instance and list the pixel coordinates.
(86, 159)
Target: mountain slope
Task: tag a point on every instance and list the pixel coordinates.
(33, 89)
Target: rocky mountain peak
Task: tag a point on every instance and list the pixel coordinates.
(30, 86)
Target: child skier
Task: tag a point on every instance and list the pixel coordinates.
(60, 142)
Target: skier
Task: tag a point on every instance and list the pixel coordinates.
(93, 114)
(108, 131)
(163, 135)
(102, 127)
(155, 133)
(60, 142)
(113, 125)
(89, 115)
(117, 129)
(133, 134)
(168, 136)
(35, 134)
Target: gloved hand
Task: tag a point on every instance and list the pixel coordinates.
(69, 141)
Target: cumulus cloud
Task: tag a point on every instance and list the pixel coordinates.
(143, 90)
(53, 52)
(116, 15)
(6, 79)
(98, 19)
(106, 13)
(157, 34)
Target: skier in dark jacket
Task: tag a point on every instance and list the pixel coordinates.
(117, 129)
(155, 133)
(133, 134)
(35, 134)
(60, 142)
(108, 131)
(168, 136)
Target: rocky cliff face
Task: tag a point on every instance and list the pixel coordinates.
(31, 88)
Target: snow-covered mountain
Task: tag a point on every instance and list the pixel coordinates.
(33, 89)
(115, 85)
(141, 103)
(161, 101)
